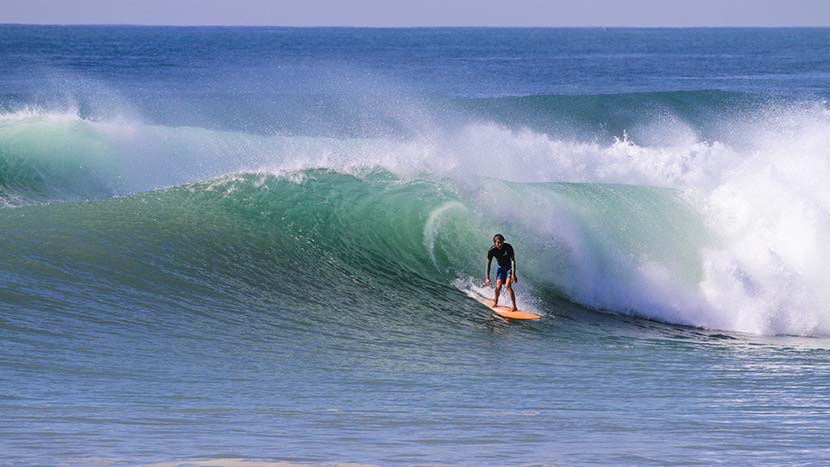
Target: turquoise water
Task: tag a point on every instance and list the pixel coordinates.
(262, 244)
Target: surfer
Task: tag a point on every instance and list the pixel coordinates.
(506, 273)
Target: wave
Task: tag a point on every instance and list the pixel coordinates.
(727, 234)
(373, 241)
(60, 155)
(608, 115)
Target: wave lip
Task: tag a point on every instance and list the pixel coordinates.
(49, 155)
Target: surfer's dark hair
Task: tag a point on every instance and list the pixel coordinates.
(499, 236)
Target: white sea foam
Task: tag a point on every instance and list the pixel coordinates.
(772, 212)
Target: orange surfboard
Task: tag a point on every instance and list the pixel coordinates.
(507, 313)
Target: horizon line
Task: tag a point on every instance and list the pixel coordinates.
(323, 26)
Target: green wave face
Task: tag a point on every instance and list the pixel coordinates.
(313, 237)
(341, 246)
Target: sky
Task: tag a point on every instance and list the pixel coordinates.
(406, 13)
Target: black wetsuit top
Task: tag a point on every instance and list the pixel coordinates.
(503, 255)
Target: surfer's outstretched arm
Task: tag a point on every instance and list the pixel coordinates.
(487, 274)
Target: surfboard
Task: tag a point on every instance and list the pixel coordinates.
(507, 313)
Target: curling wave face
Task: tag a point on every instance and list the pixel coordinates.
(666, 223)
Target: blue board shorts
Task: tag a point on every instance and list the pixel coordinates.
(503, 273)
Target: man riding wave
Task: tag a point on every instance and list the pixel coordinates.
(506, 272)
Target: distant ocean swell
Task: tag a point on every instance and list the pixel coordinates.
(722, 226)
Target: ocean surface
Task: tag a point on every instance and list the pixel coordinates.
(260, 246)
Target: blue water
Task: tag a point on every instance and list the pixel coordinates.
(248, 246)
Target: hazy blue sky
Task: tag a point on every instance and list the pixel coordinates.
(422, 12)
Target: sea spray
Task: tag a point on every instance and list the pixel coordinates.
(772, 214)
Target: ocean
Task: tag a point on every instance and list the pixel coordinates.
(263, 246)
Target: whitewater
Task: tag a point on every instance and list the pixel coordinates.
(232, 253)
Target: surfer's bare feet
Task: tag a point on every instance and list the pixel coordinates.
(514, 308)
